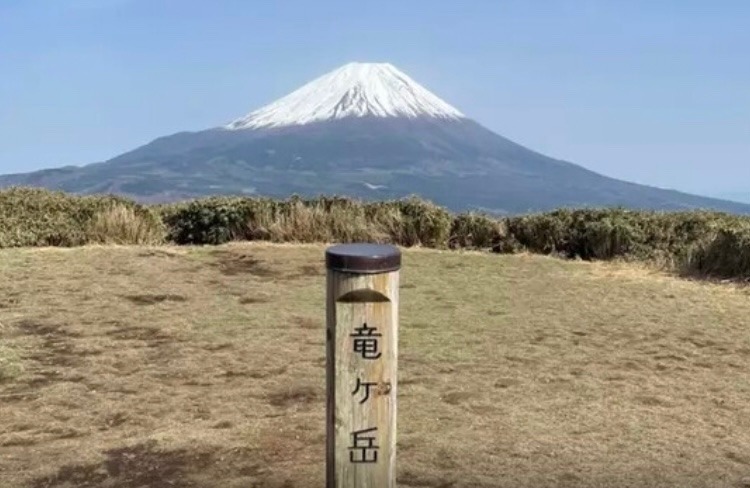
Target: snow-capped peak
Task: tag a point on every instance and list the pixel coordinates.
(353, 90)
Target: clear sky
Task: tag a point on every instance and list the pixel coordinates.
(655, 92)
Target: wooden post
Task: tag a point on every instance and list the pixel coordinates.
(361, 373)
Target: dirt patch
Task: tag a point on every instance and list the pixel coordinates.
(153, 335)
(294, 395)
(506, 383)
(157, 253)
(233, 264)
(8, 301)
(311, 270)
(139, 466)
(652, 401)
(458, 397)
(424, 479)
(306, 271)
(217, 346)
(114, 420)
(251, 300)
(309, 323)
(57, 349)
(257, 374)
(154, 299)
(44, 329)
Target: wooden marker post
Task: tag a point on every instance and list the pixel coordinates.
(362, 353)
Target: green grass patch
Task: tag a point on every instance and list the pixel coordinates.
(10, 364)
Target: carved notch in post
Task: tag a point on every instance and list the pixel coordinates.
(361, 368)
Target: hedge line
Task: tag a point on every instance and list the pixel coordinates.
(708, 244)
(36, 217)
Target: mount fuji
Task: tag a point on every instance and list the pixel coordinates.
(365, 130)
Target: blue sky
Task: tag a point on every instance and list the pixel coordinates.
(651, 92)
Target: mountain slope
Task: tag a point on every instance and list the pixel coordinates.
(367, 131)
(737, 196)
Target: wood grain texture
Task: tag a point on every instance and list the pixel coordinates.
(361, 384)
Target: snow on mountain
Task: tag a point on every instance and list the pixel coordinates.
(353, 90)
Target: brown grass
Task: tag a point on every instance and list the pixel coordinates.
(314, 224)
(204, 367)
(120, 224)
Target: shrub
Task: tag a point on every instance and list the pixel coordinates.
(423, 223)
(122, 224)
(726, 255)
(206, 221)
(37, 217)
(606, 239)
(476, 231)
(617, 233)
(546, 233)
(318, 220)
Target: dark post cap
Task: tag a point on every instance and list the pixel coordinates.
(363, 258)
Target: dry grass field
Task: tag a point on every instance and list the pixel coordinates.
(138, 367)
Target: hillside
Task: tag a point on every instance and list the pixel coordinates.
(204, 367)
(363, 130)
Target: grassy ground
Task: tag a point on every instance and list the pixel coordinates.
(204, 367)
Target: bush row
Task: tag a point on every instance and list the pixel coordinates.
(699, 243)
(408, 222)
(37, 217)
